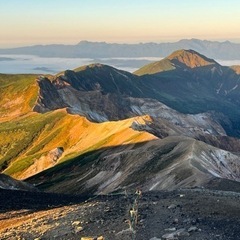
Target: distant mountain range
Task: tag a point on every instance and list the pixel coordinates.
(185, 81)
(85, 49)
(173, 123)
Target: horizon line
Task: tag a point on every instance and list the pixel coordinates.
(122, 43)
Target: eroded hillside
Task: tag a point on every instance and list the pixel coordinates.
(39, 141)
(97, 129)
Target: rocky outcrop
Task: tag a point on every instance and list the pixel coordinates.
(186, 81)
(199, 214)
(48, 97)
(7, 182)
(46, 161)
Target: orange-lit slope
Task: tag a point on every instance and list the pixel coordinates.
(58, 129)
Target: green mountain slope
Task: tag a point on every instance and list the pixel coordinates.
(35, 142)
(185, 81)
(18, 94)
(107, 129)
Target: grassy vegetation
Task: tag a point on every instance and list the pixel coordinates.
(78, 165)
(33, 135)
(155, 67)
(19, 138)
(18, 93)
(16, 79)
(21, 164)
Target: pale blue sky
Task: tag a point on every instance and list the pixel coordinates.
(28, 22)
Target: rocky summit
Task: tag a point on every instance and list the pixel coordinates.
(100, 153)
(188, 214)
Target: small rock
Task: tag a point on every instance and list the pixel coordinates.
(175, 221)
(100, 238)
(188, 220)
(192, 229)
(172, 206)
(78, 229)
(169, 236)
(183, 233)
(170, 229)
(92, 238)
(88, 238)
(141, 221)
(155, 238)
(75, 223)
(179, 233)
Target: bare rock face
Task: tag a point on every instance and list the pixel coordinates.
(49, 98)
(7, 182)
(44, 162)
(98, 106)
(55, 154)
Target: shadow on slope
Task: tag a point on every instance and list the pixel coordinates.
(16, 200)
(198, 90)
(166, 164)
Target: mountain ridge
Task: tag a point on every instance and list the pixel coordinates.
(179, 59)
(102, 91)
(217, 50)
(173, 162)
(109, 130)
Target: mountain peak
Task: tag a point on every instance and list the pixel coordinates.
(91, 66)
(190, 58)
(178, 59)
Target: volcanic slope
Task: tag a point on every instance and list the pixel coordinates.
(6, 182)
(38, 141)
(99, 126)
(192, 83)
(170, 163)
(185, 81)
(196, 214)
(58, 133)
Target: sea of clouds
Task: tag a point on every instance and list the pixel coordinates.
(39, 65)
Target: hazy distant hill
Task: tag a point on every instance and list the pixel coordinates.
(217, 50)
